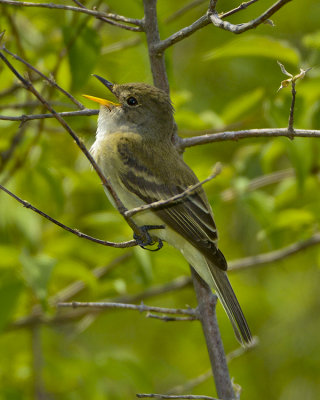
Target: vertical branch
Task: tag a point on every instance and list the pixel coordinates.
(291, 115)
(207, 312)
(151, 29)
(206, 300)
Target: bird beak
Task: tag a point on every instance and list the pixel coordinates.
(106, 83)
(109, 104)
(104, 102)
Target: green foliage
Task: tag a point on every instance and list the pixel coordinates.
(217, 81)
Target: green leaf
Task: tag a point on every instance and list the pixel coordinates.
(37, 272)
(256, 46)
(10, 289)
(83, 54)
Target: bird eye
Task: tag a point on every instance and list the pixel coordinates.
(132, 101)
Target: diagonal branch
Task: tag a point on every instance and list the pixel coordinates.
(171, 200)
(239, 28)
(107, 17)
(195, 26)
(277, 255)
(121, 245)
(51, 81)
(106, 182)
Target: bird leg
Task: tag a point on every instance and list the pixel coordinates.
(146, 239)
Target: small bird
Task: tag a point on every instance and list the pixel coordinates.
(134, 150)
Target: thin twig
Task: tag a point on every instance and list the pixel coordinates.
(187, 31)
(124, 306)
(246, 134)
(177, 284)
(29, 104)
(184, 9)
(183, 33)
(51, 81)
(77, 287)
(121, 208)
(12, 89)
(259, 182)
(39, 318)
(277, 255)
(237, 9)
(192, 383)
(171, 200)
(121, 245)
(239, 28)
(24, 118)
(291, 115)
(168, 396)
(98, 14)
(165, 318)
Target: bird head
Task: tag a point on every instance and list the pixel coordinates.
(141, 108)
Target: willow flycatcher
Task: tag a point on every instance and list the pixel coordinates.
(134, 149)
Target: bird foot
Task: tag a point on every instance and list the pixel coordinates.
(146, 239)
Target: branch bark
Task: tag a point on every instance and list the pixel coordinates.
(158, 69)
(107, 17)
(206, 308)
(246, 134)
(240, 28)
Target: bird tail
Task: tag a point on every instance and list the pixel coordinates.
(231, 305)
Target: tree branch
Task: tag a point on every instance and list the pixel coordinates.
(195, 26)
(158, 69)
(245, 134)
(190, 384)
(184, 9)
(259, 182)
(165, 318)
(168, 396)
(107, 17)
(121, 245)
(217, 21)
(124, 306)
(39, 318)
(237, 9)
(24, 118)
(177, 284)
(121, 208)
(171, 200)
(277, 255)
(51, 81)
(207, 312)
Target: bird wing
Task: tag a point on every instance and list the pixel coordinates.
(191, 216)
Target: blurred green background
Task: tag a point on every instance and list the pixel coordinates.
(218, 80)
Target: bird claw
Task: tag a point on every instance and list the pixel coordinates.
(147, 239)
